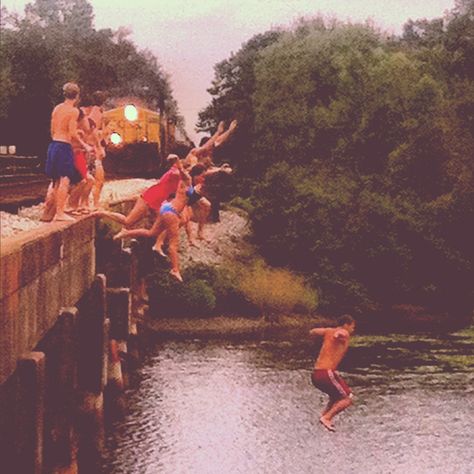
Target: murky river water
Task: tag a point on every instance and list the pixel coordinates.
(223, 407)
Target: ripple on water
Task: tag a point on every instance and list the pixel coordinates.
(221, 408)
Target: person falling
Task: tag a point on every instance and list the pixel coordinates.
(169, 221)
(324, 376)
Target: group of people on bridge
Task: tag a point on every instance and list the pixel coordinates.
(184, 193)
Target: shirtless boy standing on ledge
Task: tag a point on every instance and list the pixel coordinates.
(325, 377)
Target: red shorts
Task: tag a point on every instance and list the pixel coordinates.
(330, 382)
(80, 162)
(155, 195)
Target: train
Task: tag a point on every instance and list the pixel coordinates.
(137, 141)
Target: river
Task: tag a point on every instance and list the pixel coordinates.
(249, 407)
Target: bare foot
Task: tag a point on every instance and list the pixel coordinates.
(327, 424)
(120, 235)
(63, 218)
(159, 250)
(177, 275)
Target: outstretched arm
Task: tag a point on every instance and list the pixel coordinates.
(205, 149)
(318, 332)
(221, 139)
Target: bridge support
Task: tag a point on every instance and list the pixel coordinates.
(92, 374)
(61, 381)
(30, 422)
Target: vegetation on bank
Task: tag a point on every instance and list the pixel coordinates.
(236, 288)
(354, 158)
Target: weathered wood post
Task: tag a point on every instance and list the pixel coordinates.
(30, 414)
(119, 309)
(60, 347)
(92, 374)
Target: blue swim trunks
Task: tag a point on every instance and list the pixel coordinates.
(167, 207)
(60, 162)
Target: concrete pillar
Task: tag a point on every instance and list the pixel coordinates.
(119, 306)
(92, 374)
(61, 380)
(30, 416)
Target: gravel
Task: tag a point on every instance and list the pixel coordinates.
(28, 218)
(225, 239)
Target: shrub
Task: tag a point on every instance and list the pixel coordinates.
(277, 291)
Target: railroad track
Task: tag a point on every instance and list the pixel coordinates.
(22, 190)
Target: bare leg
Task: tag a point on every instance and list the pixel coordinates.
(49, 204)
(328, 406)
(201, 211)
(158, 247)
(84, 199)
(138, 212)
(99, 183)
(61, 197)
(336, 408)
(186, 222)
(171, 223)
(142, 232)
(75, 195)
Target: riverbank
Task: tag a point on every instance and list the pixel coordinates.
(230, 326)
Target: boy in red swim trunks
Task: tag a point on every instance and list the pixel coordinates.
(325, 377)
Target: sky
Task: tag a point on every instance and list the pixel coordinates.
(190, 36)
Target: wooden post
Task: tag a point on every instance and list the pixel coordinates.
(92, 374)
(61, 380)
(30, 424)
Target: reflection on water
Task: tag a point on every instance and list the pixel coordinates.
(220, 407)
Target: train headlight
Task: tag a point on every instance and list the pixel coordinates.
(115, 138)
(130, 112)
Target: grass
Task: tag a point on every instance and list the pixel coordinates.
(229, 326)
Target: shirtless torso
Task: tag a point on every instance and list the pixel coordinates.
(335, 345)
(64, 122)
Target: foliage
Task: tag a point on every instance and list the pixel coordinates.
(357, 157)
(56, 42)
(206, 291)
(276, 291)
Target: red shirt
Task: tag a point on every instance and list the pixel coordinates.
(159, 192)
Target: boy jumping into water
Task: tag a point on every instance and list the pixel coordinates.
(325, 377)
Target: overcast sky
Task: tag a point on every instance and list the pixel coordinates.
(189, 36)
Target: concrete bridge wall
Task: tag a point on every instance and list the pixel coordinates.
(42, 271)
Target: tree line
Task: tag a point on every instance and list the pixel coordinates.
(54, 42)
(355, 157)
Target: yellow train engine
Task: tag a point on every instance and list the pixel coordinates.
(137, 141)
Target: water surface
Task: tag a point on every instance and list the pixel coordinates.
(226, 407)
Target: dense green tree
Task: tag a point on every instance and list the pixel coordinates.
(360, 153)
(55, 42)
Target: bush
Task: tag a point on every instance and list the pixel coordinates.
(243, 203)
(277, 291)
(206, 291)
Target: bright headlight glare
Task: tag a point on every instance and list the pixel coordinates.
(115, 138)
(131, 112)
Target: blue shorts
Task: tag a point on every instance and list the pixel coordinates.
(167, 207)
(60, 162)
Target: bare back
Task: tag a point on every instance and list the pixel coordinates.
(335, 345)
(64, 122)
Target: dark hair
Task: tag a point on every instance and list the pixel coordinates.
(196, 170)
(345, 319)
(204, 140)
(99, 97)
